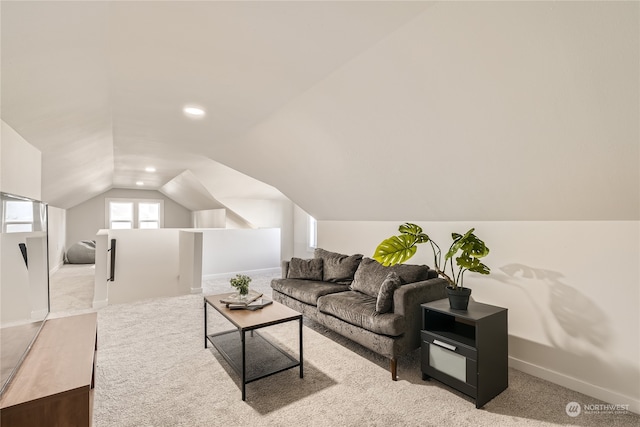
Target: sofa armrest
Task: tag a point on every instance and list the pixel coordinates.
(407, 299)
(284, 265)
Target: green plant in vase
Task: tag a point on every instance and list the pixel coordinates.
(241, 283)
(467, 249)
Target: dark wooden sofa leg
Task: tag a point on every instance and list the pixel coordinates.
(394, 369)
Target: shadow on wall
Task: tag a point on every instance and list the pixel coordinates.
(576, 314)
(578, 332)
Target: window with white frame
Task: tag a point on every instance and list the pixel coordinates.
(132, 213)
(148, 215)
(313, 233)
(18, 216)
(120, 215)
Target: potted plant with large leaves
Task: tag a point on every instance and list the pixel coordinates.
(467, 249)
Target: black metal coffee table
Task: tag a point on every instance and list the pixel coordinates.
(266, 357)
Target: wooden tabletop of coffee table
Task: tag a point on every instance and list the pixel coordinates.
(252, 319)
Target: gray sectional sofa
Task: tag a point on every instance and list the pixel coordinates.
(357, 297)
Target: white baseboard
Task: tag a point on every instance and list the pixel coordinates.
(55, 268)
(39, 314)
(247, 272)
(196, 290)
(575, 384)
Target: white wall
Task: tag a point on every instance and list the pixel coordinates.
(301, 230)
(14, 276)
(190, 261)
(20, 168)
(263, 213)
(38, 275)
(571, 287)
(102, 273)
(24, 292)
(233, 220)
(147, 265)
(210, 218)
(239, 251)
(57, 233)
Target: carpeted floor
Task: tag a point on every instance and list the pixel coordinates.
(153, 370)
(71, 288)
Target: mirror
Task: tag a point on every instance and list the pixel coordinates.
(24, 279)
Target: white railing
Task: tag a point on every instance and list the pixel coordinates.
(171, 262)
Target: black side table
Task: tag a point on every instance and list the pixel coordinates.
(466, 349)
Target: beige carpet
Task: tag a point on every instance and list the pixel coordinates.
(153, 370)
(71, 288)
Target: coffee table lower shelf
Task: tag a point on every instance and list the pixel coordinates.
(248, 352)
(265, 357)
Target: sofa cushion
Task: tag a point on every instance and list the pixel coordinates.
(360, 310)
(337, 267)
(384, 302)
(308, 269)
(370, 275)
(307, 291)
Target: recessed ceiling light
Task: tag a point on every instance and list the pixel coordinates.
(193, 111)
(139, 183)
(150, 169)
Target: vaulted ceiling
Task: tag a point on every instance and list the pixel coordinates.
(353, 110)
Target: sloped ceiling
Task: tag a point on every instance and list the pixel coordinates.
(353, 110)
(187, 190)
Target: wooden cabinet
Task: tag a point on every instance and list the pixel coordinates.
(54, 384)
(466, 349)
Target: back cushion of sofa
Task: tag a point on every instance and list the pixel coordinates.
(338, 268)
(371, 274)
(307, 269)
